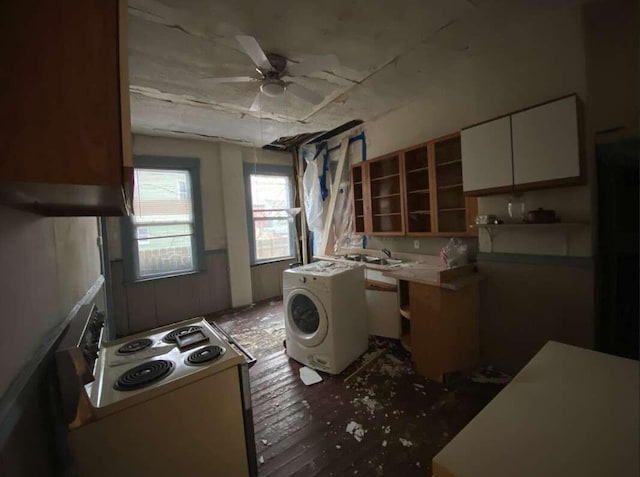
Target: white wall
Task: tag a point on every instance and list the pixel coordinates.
(540, 58)
(49, 264)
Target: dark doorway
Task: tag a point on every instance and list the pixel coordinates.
(618, 260)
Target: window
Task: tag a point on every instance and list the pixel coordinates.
(269, 191)
(164, 236)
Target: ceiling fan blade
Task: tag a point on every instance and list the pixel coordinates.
(251, 47)
(255, 106)
(313, 64)
(232, 79)
(304, 93)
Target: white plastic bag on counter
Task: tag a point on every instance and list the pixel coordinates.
(455, 253)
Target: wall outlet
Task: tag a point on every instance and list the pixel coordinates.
(416, 244)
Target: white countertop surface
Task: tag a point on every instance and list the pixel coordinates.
(569, 412)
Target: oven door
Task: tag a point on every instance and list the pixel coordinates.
(245, 390)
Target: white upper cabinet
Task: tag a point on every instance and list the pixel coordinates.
(535, 148)
(545, 142)
(486, 155)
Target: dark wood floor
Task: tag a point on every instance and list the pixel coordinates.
(302, 430)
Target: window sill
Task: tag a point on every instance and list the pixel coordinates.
(271, 262)
(142, 281)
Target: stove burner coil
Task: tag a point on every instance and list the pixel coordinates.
(135, 346)
(171, 337)
(204, 355)
(143, 375)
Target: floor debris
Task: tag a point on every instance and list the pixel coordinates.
(369, 360)
(309, 376)
(261, 460)
(373, 400)
(370, 404)
(405, 442)
(490, 375)
(265, 442)
(356, 430)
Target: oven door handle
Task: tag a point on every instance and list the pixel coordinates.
(250, 359)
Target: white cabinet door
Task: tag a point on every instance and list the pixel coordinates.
(545, 142)
(486, 155)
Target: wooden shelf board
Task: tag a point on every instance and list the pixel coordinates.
(360, 198)
(386, 215)
(385, 196)
(453, 209)
(457, 161)
(553, 225)
(384, 177)
(357, 183)
(406, 312)
(419, 191)
(419, 169)
(420, 212)
(452, 186)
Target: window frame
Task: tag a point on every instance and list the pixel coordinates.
(129, 251)
(267, 170)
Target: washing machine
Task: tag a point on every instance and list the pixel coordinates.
(325, 314)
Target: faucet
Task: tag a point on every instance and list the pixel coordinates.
(387, 252)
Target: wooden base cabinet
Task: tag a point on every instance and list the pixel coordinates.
(444, 329)
(65, 146)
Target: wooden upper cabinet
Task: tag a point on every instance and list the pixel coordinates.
(486, 155)
(357, 180)
(454, 212)
(416, 191)
(65, 145)
(385, 190)
(546, 142)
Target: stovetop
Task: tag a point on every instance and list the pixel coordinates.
(146, 364)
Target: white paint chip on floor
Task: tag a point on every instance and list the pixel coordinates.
(356, 430)
(309, 376)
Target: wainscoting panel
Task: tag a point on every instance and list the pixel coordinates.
(266, 280)
(145, 305)
(524, 305)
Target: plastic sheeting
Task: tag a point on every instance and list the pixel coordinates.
(312, 194)
(321, 163)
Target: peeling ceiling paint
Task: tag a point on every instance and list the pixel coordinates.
(390, 53)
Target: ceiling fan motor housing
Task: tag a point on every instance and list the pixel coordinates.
(273, 87)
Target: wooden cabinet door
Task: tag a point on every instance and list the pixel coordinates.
(545, 142)
(486, 156)
(66, 142)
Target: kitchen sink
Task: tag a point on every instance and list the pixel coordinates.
(385, 261)
(373, 260)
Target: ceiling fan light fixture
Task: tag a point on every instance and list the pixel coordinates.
(273, 87)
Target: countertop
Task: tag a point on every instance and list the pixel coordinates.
(426, 276)
(570, 411)
(424, 269)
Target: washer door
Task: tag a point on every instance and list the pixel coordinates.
(306, 317)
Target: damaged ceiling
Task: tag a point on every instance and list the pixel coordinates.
(389, 53)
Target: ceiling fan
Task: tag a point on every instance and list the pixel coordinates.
(277, 74)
